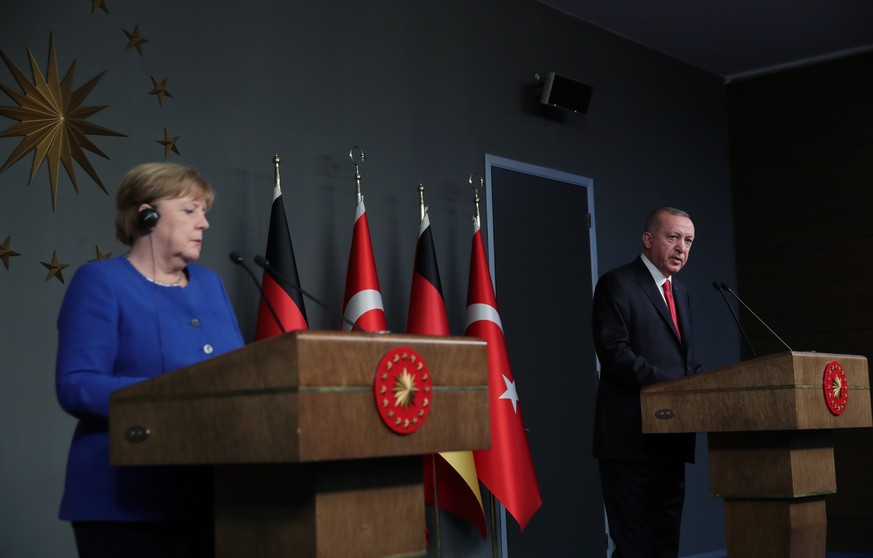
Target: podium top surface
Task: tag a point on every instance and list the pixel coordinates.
(311, 359)
(782, 391)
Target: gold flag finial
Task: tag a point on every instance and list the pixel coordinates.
(357, 164)
(276, 170)
(421, 207)
(476, 185)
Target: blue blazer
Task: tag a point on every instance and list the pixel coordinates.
(637, 345)
(115, 329)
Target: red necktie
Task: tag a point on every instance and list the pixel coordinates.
(668, 294)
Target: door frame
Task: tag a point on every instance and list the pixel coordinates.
(545, 172)
(494, 161)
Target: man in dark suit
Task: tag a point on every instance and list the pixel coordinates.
(640, 341)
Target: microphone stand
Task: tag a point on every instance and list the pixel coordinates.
(719, 288)
(746, 306)
(238, 260)
(261, 262)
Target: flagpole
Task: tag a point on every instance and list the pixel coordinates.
(498, 525)
(276, 170)
(422, 211)
(436, 507)
(495, 548)
(357, 164)
(495, 541)
(476, 194)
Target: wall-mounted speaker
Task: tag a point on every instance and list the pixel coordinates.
(563, 92)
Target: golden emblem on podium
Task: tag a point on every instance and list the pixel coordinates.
(836, 387)
(403, 390)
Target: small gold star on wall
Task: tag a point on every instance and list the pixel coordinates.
(169, 143)
(55, 268)
(135, 39)
(53, 121)
(99, 4)
(7, 252)
(100, 254)
(160, 89)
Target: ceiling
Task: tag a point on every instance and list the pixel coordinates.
(736, 38)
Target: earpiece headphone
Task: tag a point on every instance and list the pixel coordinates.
(147, 218)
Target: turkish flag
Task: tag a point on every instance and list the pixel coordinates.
(507, 468)
(285, 298)
(456, 480)
(362, 300)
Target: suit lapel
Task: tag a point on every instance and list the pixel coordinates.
(647, 284)
(681, 299)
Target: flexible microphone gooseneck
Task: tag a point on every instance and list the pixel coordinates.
(719, 288)
(238, 260)
(762, 322)
(261, 262)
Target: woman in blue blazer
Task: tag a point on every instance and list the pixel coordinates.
(125, 320)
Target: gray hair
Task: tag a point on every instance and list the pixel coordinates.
(654, 217)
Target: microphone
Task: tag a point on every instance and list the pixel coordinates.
(261, 262)
(238, 260)
(762, 322)
(719, 288)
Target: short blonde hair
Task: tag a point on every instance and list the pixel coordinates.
(149, 182)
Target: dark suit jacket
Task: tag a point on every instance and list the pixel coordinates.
(637, 346)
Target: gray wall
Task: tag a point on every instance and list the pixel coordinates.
(425, 88)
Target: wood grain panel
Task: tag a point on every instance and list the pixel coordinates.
(771, 464)
(782, 391)
(366, 509)
(304, 396)
(779, 528)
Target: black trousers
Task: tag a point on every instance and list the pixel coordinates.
(643, 503)
(158, 539)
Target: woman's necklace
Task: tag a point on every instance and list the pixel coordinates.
(176, 283)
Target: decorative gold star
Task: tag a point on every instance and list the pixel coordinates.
(7, 252)
(160, 89)
(52, 120)
(56, 269)
(404, 390)
(169, 143)
(135, 39)
(99, 4)
(837, 387)
(100, 254)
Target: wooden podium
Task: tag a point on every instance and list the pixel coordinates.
(303, 463)
(770, 451)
